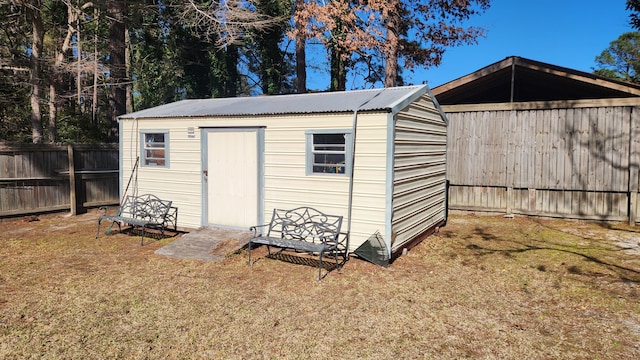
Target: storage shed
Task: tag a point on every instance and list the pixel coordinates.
(377, 157)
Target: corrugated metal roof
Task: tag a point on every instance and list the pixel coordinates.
(387, 99)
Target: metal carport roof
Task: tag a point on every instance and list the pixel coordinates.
(516, 79)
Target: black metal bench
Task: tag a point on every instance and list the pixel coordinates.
(145, 211)
(304, 229)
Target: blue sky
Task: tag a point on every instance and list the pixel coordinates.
(568, 33)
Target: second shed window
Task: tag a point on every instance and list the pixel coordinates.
(328, 152)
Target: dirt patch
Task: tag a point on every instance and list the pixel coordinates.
(630, 246)
(20, 230)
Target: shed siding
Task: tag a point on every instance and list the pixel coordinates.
(419, 171)
(285, 182)
(181, 182)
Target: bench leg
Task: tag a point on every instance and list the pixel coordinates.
(98, 232)
(142, 239)
(249, 253)
(320, 266)
(109, 228)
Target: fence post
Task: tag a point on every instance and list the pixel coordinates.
(72, 181)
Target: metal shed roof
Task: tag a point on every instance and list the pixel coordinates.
(387, 99)
(516, 79)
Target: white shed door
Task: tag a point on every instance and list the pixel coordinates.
(232, 185)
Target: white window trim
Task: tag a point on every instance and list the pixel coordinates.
(309, 151)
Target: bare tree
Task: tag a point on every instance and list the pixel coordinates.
(227, 22)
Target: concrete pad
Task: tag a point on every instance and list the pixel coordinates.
(206, 244)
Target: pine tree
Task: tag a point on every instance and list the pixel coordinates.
(621, 60)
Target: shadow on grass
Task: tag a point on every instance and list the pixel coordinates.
(624, 273)
(484, 235)
(300, 259)
(477, 231)
(154, 234)
(618, 227)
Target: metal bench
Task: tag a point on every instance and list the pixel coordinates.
(145, 211)
(304, 229)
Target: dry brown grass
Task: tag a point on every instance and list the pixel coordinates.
(484, 287)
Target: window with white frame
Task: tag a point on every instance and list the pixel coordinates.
(155, 148)
(329, 152)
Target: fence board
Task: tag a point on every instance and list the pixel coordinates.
(520, 141)
(583, 146)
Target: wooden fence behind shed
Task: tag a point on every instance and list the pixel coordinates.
(578, 161)
(42, 178)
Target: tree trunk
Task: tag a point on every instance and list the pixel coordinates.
(337, 56)
(117, 70)
(391, 63)
(338, 70)
(34, 76)
(301, 55)
(53, 112)
(232, 58)
(94, 99)
(127, 61)
(56, 76)
(271, 59)
(78, 65)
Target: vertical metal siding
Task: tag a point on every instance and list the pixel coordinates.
(419, 171)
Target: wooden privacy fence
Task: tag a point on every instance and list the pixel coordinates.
(40, 178)
(578, 162)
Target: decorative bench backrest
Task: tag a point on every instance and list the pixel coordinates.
(145, 207)
(306, 224)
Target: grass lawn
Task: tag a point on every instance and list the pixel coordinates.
(485, 287)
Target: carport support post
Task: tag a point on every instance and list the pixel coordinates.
(72, 181)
